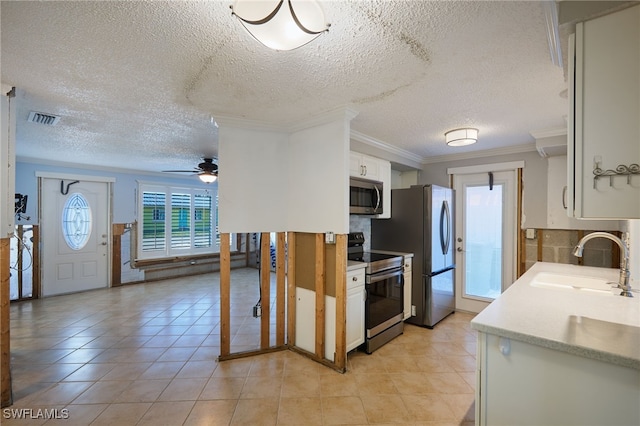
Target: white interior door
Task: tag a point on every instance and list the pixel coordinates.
(74, 223)
(485, 237)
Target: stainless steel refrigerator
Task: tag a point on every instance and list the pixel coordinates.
(422, 223)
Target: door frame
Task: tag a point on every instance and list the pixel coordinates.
(515, 167)
(40, 175)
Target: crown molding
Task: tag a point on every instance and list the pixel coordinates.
(549, 133)
(361, 137)
(529, 147)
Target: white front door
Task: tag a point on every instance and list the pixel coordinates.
(485, 237)
(74, 223)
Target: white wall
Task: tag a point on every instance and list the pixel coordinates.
(124, 188)
(319, 176)
(7, 164)
(296, 181)
(534, 178)
(253, 182)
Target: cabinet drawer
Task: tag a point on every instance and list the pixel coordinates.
(355, 278)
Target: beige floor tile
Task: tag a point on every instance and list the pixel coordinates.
(162, 370)
(102, 392)
(375, 384)
(343, 411)
(301, 385)
(212, 413)
(80, 415)
(197, 369)
(385, 409)
(428, 408)
(122, 414)
(256, 412)
(130, 359)
(166, 413)
(143, 391)
(261, 387)
(223, 388)
(336, 384)
(183, 390)
(300, 411)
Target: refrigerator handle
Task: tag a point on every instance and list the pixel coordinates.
(445, 219)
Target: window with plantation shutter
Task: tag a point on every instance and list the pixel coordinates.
(177, 221)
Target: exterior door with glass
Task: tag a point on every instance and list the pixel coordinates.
(485, 237)
(74, 223)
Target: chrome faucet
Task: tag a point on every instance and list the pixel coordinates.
(623, 282)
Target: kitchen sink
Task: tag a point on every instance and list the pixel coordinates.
(572, 283)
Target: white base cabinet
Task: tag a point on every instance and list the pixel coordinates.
(523, 384)
(356, 296)
(406, 274)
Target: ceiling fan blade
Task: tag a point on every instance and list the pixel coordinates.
(180, 171)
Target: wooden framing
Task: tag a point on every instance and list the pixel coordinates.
(341, 302)
(291, 289)
(5, 352)
(265, 289)
(319, 285)
(117, 229)
(321, 255)
(520, 235)
(280, 287)
(225, 296)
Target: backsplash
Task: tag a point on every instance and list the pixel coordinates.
(556, 246)
(358, 223)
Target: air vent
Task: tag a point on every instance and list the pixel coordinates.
(42, 118)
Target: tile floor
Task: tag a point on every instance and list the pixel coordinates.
(145, 354)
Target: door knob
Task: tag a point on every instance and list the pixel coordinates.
(104, 243)
(459, 239)
(459, 249)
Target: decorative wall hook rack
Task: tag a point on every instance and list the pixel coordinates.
(621, 170)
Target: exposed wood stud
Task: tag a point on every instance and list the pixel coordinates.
(291, 289)
(116, 254)
(35, 267)
(320, 293)
(280, 287)
(341, 301)
(265, 289)
(540, 243)
(225, 295)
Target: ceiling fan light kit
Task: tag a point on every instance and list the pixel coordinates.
(208, 177)
(207, 171)
(281, 24)
(461, 137)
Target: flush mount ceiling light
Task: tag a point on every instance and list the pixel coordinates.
(461, 137)
(208, 177)
(281, 26)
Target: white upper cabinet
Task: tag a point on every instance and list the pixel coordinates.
(363, 166)
(367, 167)
(604, 120)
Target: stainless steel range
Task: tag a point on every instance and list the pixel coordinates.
(384, 285)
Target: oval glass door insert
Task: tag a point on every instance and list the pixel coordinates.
(76, 221)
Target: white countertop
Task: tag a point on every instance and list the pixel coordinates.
(602, 327)
(352, 265)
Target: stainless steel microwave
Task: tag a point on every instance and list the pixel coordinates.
(365, 196)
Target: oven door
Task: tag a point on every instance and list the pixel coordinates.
(384, 304)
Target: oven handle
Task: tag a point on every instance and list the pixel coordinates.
(381, 277)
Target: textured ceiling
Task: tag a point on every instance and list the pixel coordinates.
(136, 83)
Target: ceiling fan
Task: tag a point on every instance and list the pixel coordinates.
(207, 171)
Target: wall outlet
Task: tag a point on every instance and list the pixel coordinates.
(329, 238)
(257, 311)
(413, 310)
(530, 233)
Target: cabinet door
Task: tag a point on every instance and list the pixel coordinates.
(407, 287)
(355, 165)
(371, 167)
(606, 134)
(355, 309)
